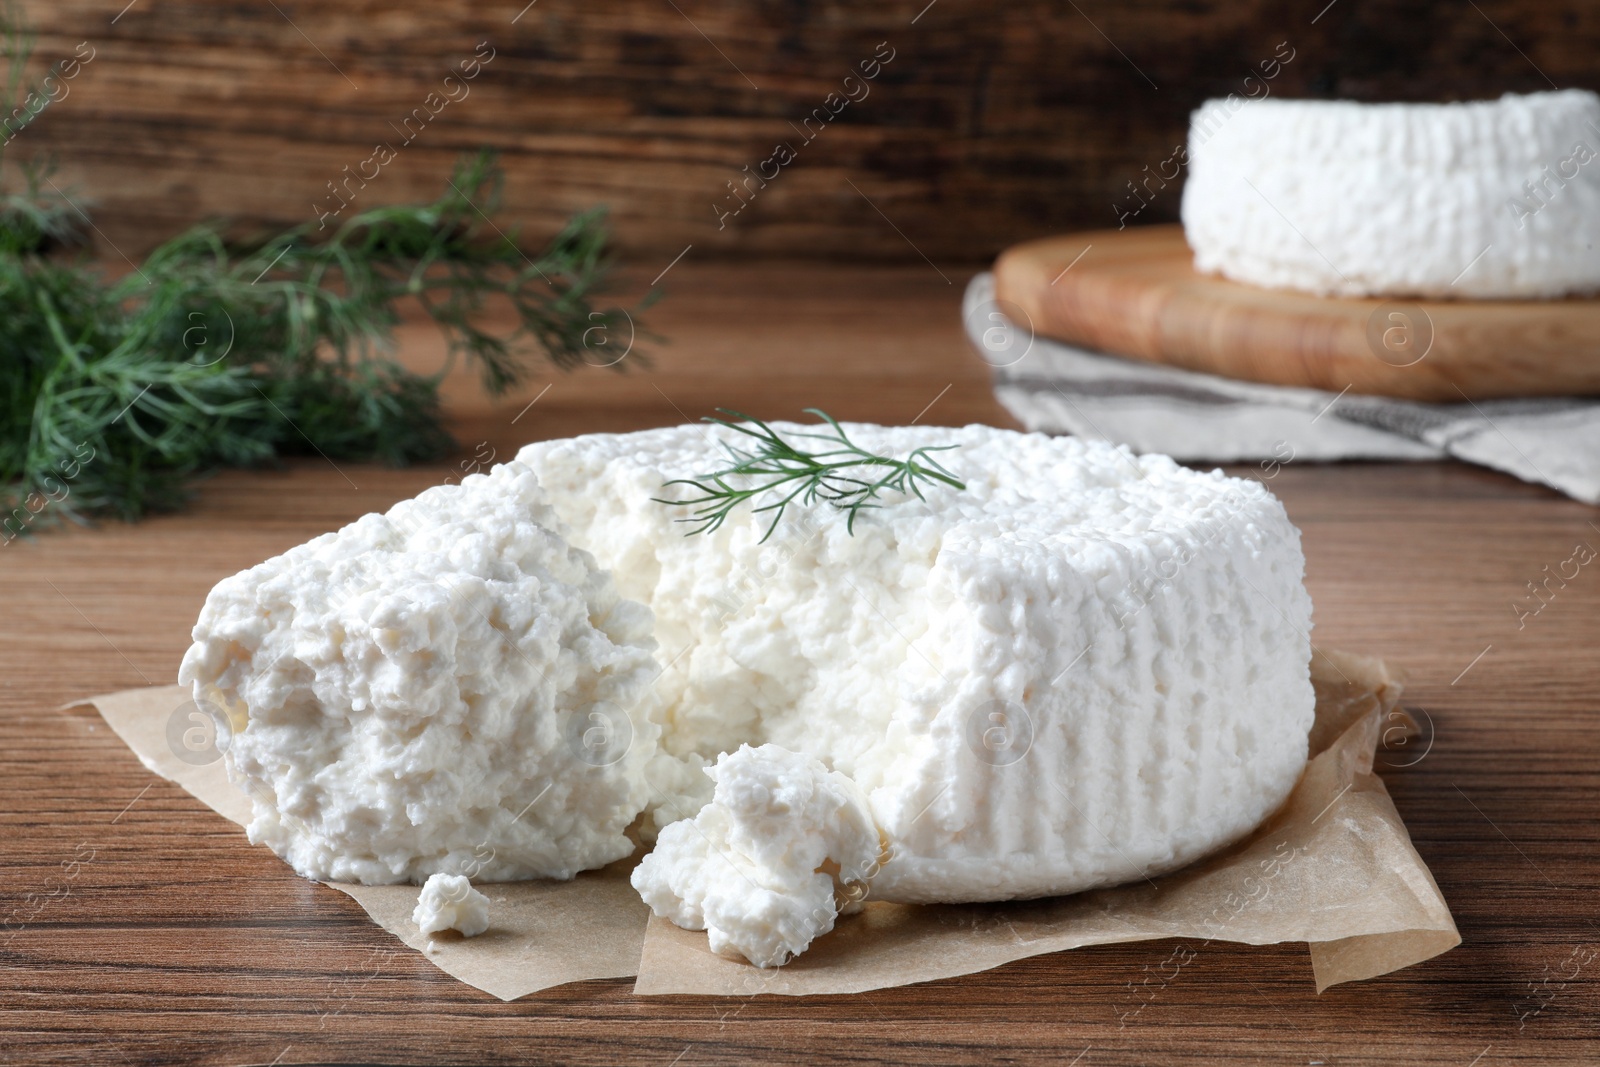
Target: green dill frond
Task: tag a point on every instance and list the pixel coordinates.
(212, 355)
(773, 474)
(115, 396)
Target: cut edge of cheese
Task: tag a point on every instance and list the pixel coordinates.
(448, 687)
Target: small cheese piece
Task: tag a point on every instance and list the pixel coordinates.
(1086, 668)
(449, 686)
(761, 868)
(1486, 199)
(448, 902)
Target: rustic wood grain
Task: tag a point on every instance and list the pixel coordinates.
(1135, 292)
(178, 942)
(993, 123)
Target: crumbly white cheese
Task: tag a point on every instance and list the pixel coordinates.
(1086, 668)
(761, 868)
(1488, 199)
(448, 687)
(448, 902)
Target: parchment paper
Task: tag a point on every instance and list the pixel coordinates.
(541, 933)
(1334, 868)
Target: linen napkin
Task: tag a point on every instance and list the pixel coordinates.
(1055, 387)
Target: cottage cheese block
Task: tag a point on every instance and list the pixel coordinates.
(763, 867)
(1488, 199)
(1086, 668)
(448, 902)
(449, 686)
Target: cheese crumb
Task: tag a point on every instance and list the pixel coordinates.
(448, 902)
(763, 866)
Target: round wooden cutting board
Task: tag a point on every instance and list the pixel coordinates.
(1135, 293)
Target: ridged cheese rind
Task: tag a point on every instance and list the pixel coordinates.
(1086, 668)
(1493, 199)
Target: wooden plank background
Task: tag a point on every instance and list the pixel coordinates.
(993, 122)
(178, 942)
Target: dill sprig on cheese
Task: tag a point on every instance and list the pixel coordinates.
(839, 476)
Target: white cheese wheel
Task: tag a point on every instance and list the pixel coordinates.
(1087, 668)
(446, 688)
(1471, 200)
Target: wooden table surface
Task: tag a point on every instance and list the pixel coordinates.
(155, 933)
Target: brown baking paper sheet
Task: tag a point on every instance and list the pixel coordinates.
(541, 933)
(1334, 868)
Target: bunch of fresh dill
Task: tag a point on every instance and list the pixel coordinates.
(114, 395)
